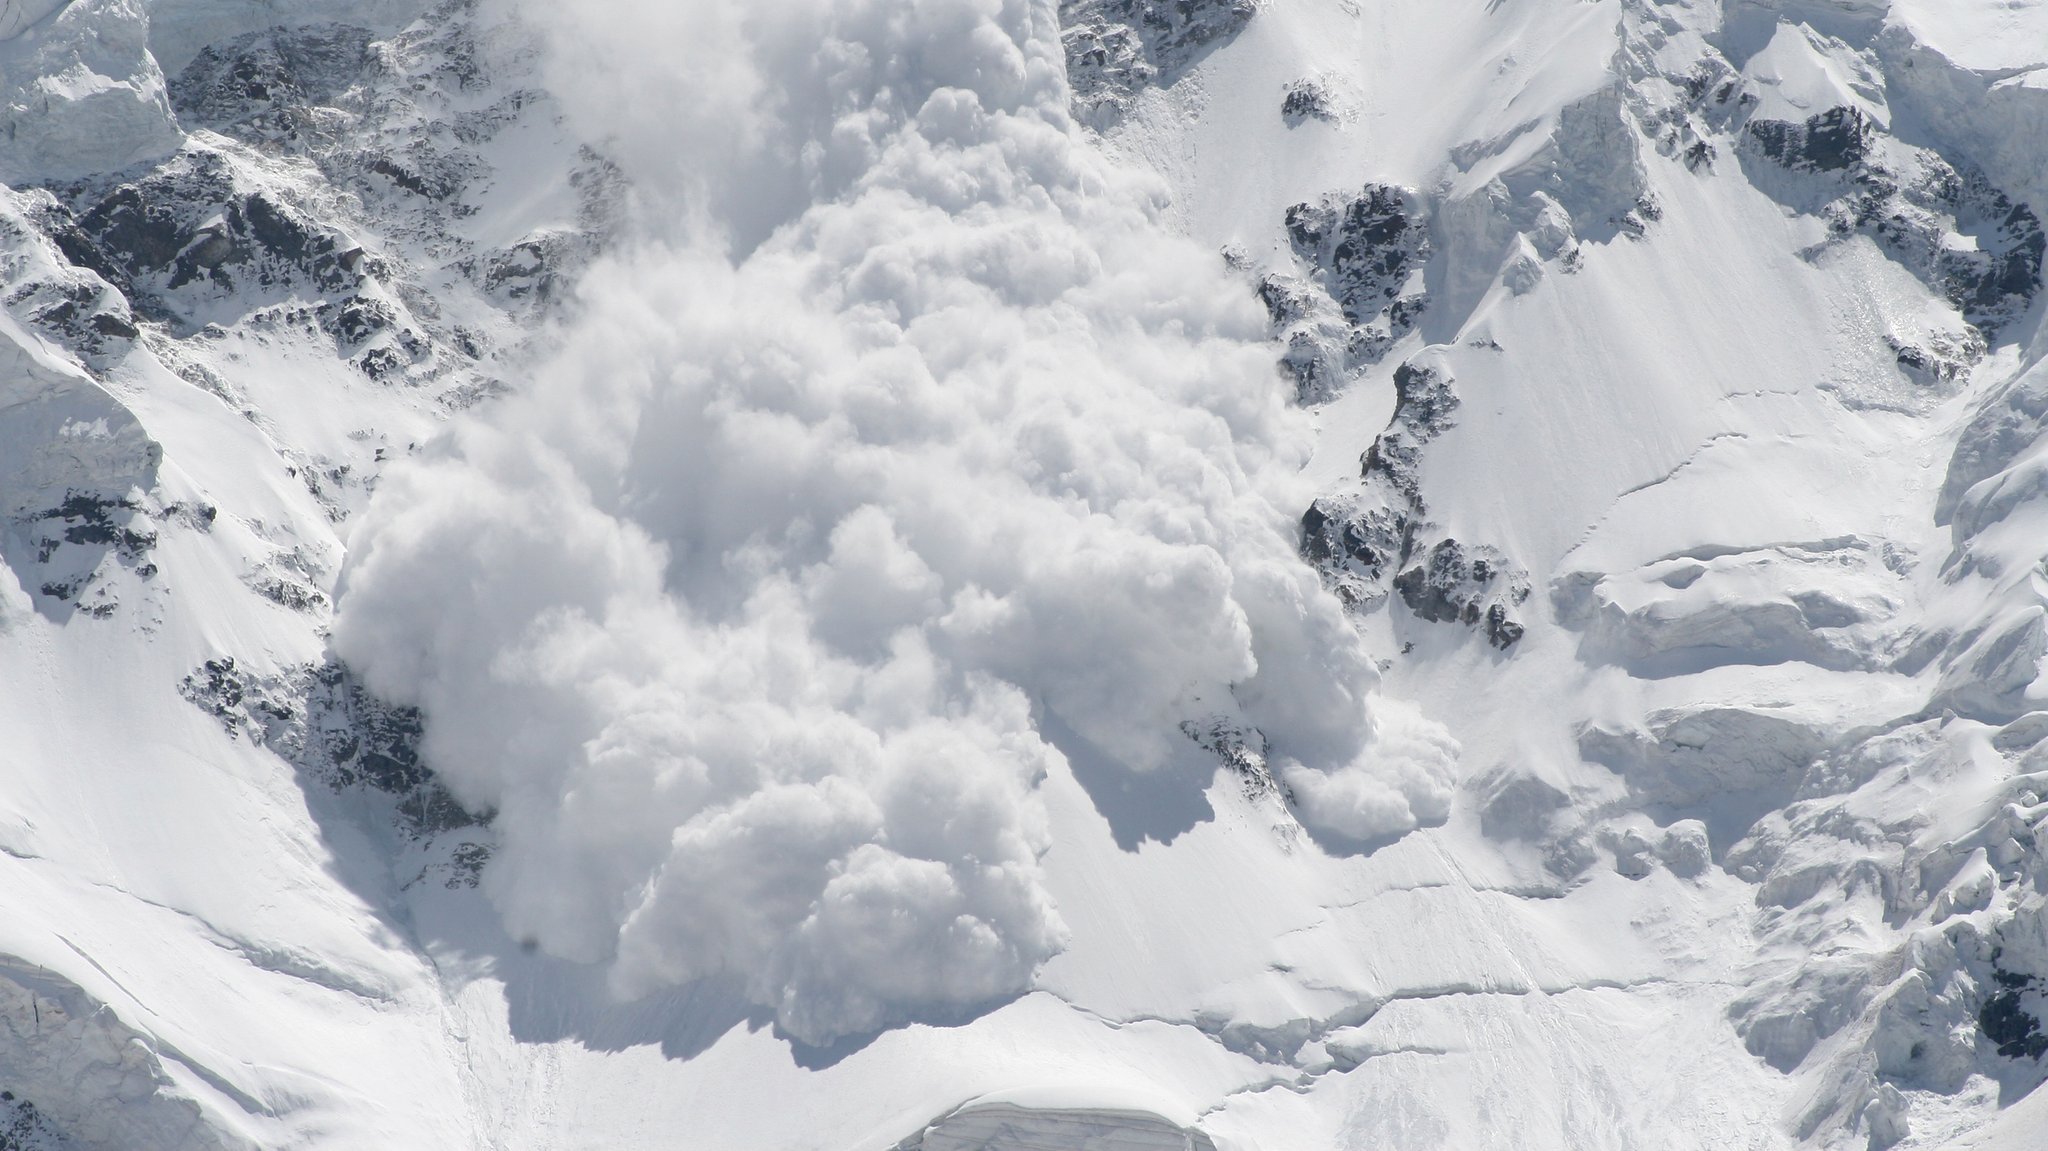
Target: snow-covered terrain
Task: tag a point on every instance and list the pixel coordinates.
(1237, 574)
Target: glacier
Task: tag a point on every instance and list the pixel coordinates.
(1226, 574)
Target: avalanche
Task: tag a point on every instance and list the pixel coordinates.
(998, 573)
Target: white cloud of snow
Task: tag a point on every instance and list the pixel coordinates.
(905, 420)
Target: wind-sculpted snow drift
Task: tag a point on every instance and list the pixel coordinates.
(756, 616)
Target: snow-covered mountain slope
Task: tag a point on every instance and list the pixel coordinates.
(1000, 573)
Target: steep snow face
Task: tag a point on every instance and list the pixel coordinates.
(966, 466)
(1351, 573)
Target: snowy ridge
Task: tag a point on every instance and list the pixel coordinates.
(1348, 573)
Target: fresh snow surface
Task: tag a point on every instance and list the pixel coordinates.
(1113, 574)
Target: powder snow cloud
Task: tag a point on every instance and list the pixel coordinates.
(903, 423)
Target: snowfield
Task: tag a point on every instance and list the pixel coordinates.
(1242, 575)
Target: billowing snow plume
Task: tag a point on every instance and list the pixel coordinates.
(910, 432)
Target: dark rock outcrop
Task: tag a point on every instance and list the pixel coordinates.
(1358, 290)
(1375, 537)
(1943, 221)
(1475, 586)
(1307, 100)
(1364, 249)
(190, 241)
(23, 1127)
(1833, 141)
(322, 721)
(2006, 1018)
(275, 84)
(1115, 48)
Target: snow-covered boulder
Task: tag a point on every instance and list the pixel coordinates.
(1684, 756)
(1829, 603)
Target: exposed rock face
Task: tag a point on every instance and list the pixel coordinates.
(266, 227)
(23, 1128)
(1376, 536)
(1945, 221)
(313, 90)
(1354, 545)
(283, 85)
(319, 719)
(1319, 342)
(2011, 1015)
(1366, 252)
(1307, 100)
(69, 305)
(1832, 141)
(1115, 48)
(1424, 400)
(1357, 287)
(188, 239)
(1360, 538)
(1243, 750)
(1828, 149)
(1477, 587)
(382, 137)
(322, 138)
